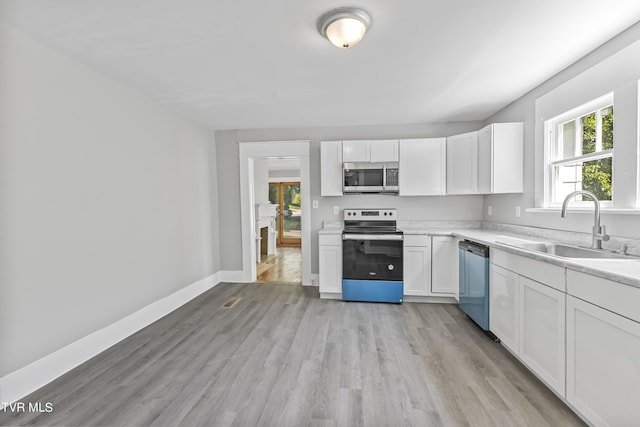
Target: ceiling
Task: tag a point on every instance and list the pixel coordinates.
(233, 64)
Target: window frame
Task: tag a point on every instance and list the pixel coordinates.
(553, 143)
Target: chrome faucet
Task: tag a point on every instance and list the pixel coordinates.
(599, 232)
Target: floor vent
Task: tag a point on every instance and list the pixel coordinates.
(231, 302)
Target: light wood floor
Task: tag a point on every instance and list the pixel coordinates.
(285, 266)
(283, 357)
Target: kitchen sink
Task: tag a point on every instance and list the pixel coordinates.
(566, 251)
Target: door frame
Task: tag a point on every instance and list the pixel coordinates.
(248, 151)
(281, 240)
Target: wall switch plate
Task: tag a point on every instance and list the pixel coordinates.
(336, 210)
(490, 210)
(314, 204)
(517, 211)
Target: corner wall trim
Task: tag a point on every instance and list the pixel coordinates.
(232, 276)
(315, 280)
(28, 379)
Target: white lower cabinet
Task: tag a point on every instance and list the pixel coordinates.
(542, 332)
(529, 319)
(603, 364)
(417, 265)
(330, 265)
(504, 302)
(444, 265)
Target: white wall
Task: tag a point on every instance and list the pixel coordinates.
(105, 201)
(608, 68)
(409, 208)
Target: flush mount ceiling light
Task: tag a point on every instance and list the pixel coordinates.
(345, 26)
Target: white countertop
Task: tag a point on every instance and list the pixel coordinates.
(626, 271)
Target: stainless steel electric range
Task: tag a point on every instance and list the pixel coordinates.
(372, 249)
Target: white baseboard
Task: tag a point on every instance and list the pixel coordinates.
(445, 299)
(331, 295)
(28, 379)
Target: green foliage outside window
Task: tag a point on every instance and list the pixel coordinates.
(596, 174)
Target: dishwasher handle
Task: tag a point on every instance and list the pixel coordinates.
(474, 247)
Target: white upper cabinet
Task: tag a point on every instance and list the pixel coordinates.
(462, 163)
(385, 150)
(356, 151)
(331, 168)
(422, 167)
(500, 158)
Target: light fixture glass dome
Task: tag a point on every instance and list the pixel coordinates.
(344, 27)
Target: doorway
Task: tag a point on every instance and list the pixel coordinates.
(273, 149)
(286, 196)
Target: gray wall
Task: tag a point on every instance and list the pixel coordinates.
(524, 109)
(105, 201)
(261, 181)
(291, 173)
(409, 208)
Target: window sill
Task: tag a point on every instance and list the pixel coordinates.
(603, 211)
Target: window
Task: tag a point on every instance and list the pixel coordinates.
(580, 152)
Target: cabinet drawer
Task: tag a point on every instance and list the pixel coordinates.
(617, 297)
(420, 240)
(540, 271)
(330, 239)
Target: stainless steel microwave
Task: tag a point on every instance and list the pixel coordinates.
(370, 177)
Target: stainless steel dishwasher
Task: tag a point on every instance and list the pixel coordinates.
(474, 283)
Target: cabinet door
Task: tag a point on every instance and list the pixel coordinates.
(330, 267)
(542, 332)
(422, 166)
(384, 150)
(504, 300)
(462, 164)
(500, 158)
(485, 160)
(417, 269)
(444, 260)
(507, 158)
(331, 170)
(356, 151)
(603, 364)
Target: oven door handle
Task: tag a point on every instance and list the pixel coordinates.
(372, 237)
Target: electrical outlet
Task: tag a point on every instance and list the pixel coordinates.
(490, 210)
(315, 204)
(517, 211)
(336, 210)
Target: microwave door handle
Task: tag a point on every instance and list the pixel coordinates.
(384, 176)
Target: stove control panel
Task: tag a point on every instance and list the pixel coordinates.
(370, 214)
